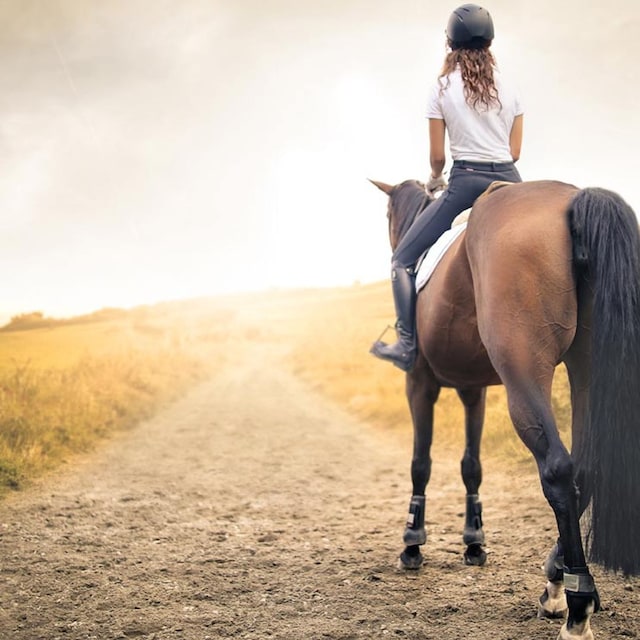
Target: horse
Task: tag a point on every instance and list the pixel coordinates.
(544, 273)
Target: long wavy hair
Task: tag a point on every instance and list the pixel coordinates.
(477, 64)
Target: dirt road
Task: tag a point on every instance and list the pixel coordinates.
(254, 509)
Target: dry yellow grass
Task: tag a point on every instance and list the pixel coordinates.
(64, 389)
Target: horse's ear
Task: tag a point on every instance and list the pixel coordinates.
(387, 188)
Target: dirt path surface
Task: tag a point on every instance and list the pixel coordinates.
(255, 509)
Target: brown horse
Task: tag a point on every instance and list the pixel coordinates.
(543, 274)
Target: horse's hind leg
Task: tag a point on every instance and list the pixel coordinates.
(474, 401)
(422, 393)
(553, 602)
(531, 413)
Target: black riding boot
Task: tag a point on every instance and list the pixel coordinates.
(402, 353)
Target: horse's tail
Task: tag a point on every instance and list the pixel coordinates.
(606, 252)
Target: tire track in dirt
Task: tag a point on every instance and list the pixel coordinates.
(253, 508)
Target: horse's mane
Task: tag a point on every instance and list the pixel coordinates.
(408, 200)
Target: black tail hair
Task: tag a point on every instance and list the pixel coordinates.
(606, 248)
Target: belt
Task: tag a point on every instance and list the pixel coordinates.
(483, 166)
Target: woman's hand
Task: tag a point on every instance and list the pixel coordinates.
(435, 184)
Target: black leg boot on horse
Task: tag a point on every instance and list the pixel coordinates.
(403, 352)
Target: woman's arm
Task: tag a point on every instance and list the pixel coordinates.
(515, 137)
(436, 146)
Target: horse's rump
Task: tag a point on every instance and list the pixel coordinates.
(520, 255)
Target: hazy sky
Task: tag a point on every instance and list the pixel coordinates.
(161, 149)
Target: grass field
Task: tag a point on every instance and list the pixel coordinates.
(65, 388)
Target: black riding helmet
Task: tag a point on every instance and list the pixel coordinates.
(470, 24)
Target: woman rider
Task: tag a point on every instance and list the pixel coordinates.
(483, 118)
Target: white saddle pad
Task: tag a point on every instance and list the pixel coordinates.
(436, 253)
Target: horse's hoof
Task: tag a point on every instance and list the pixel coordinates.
(410, 561)
(553, 602)
(475, 555)
(584, 633)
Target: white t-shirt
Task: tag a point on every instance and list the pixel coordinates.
(482, 135)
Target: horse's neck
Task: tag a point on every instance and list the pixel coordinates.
(413, 205)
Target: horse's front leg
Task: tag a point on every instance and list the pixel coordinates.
(422, 393)
(474, 401)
